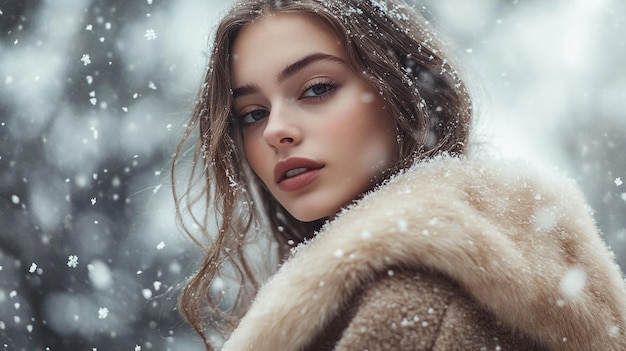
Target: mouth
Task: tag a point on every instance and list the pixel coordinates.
(296, 172)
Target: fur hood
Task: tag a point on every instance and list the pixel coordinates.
(520, 242)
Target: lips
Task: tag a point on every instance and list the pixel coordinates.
(295, 173)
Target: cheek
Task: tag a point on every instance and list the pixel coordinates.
(363, 129)
(345, 122)
(378, 154)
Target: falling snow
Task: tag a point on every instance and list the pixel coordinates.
(72, 261)
(103, 312)
(403, 225)
(147, 293)
(546, 218)
(150, 34)
(573, 282)
(87, 95)
(86, 59)
(366, 234)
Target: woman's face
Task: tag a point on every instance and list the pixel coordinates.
(315, 132)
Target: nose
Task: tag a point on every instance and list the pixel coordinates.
(281, 129)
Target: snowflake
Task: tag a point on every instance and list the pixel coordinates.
(618, 181)
(86, 59)
(573, 282)
(72, 261)
(150, 34)
(338, 253)
(147, 294)
(103, 312)
(161, 246)
(156, 188)
(33, 268)
(366, 234)
(403, 225)
(137, 348)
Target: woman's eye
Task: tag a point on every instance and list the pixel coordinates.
(318, 90)
(253, 116)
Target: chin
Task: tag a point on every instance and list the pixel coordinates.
(314, 214)
(309, 214)
(308, 217)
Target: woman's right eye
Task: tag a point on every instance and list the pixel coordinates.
(253, 116)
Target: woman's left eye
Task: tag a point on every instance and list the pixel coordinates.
(318, 90)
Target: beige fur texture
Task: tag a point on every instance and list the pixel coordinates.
(521, 243)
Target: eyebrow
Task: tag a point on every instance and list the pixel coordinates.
(289, 71)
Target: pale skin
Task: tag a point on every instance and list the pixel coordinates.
(314, 131)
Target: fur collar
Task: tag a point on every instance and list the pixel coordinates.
(520, 242)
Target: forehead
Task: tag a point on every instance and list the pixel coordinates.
(279, 39)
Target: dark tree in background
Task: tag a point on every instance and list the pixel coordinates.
(598, 152)
(93, 100)
(550, 81)
(94, 96)
(594, 138)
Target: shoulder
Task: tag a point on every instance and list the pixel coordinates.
(508, 236)
(485, 184)
(419, 310)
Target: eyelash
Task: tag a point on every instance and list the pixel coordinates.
(319, 82)
(331, 86)
(244, 124)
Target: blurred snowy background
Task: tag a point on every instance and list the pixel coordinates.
(94, 95)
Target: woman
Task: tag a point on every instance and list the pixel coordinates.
(341, 127)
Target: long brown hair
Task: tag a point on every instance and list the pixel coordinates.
(386, 41)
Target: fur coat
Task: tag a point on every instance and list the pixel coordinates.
(453, 254)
